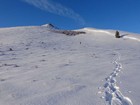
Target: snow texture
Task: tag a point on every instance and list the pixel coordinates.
(42, 66)
(112, 92)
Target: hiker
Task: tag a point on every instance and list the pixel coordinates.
(117, 34)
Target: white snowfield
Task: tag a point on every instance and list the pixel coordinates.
(40, 67)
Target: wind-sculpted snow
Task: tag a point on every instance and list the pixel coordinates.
(132, 38)
(113, 95)
(99, 31)
(41, 65)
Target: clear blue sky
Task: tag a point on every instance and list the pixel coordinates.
(72, 14)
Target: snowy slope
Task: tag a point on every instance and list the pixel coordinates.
(50, 26)
(40, 67)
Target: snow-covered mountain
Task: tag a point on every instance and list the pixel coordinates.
(39, 66)
(50, 26)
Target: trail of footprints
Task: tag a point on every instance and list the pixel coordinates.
(111, 91)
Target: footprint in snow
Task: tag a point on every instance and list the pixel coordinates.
(113, 95)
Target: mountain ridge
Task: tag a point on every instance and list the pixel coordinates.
(39, 66)
(52, 26)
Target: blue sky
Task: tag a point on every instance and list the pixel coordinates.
(72, 14)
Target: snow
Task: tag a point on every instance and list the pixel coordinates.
(112, 93)
(49, 68)
(50, 26)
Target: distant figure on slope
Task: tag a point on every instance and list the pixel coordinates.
(117, 34)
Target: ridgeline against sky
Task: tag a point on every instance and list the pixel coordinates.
(72, 14)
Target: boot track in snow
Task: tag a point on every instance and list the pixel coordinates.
(112, 93)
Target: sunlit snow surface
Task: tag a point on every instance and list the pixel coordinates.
(40, 67)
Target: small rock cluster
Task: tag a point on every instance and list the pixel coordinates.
(69, 33)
